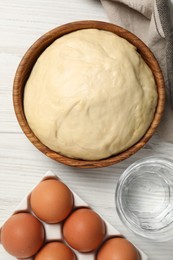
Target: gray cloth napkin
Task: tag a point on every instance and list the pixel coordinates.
(152, 22)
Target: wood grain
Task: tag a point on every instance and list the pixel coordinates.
(29, 60)
(21, 164)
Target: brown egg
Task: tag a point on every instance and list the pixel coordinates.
(84, 230)
(54, 251)
(22, 235)
(117, 249)
(51, 201)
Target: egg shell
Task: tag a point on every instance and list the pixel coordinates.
(117, 248)
(51, 201)
(54, 251)
(54, 231)
(84, 230)
(22, 235)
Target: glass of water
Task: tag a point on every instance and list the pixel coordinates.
(144, 198)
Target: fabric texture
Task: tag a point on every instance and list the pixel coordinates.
(152, 22)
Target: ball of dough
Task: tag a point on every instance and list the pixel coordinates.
(90, 95)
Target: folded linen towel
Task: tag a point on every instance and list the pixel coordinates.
(152, 22)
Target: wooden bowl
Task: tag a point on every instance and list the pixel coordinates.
(29, 60)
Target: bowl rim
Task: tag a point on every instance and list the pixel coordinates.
(40, 45)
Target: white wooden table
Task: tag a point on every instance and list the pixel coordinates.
(21, 164)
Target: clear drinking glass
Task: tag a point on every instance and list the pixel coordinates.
(144, 198)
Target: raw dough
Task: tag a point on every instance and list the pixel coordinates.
(90, 95)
